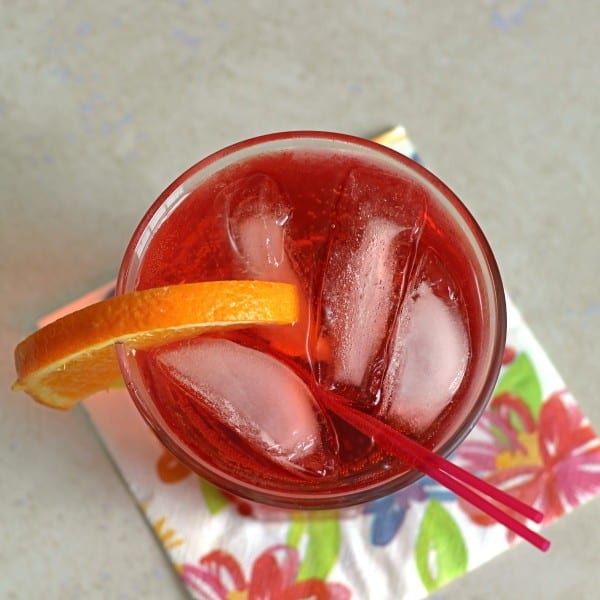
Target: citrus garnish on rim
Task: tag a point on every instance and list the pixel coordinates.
(74, 356)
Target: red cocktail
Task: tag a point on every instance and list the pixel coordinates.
(402, 316)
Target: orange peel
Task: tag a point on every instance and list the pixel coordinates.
(75, 356)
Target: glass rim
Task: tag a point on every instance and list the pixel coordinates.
(231, 154)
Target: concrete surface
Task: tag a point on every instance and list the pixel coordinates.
(104, 103)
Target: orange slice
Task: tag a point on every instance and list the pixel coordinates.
(75, 355)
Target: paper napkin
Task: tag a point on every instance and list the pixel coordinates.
(533, 440)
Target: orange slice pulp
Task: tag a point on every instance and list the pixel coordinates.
(74, 356)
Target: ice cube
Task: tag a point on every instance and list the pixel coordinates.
(427, 361)
(257, 396)
(364, 293)
(373, 238)
(256, 216)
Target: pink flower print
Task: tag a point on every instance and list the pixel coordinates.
(553, 464)
(219, 576)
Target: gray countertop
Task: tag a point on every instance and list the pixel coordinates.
(104, 103)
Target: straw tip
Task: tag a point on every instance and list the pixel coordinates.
(544, 545)
(537, 516)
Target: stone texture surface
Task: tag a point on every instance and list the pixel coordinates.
(103, 104)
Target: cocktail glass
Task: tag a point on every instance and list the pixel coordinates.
(403, 316)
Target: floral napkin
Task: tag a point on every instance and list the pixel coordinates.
(533, 441)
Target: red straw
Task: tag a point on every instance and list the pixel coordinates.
(441, 470)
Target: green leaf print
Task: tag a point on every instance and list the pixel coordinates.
(522, 379)
(322, 544)
(213, 497)
(297, 529)
(440, 551)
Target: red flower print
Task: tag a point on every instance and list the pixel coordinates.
(219, 576)
(553, 464)
(510, 353)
